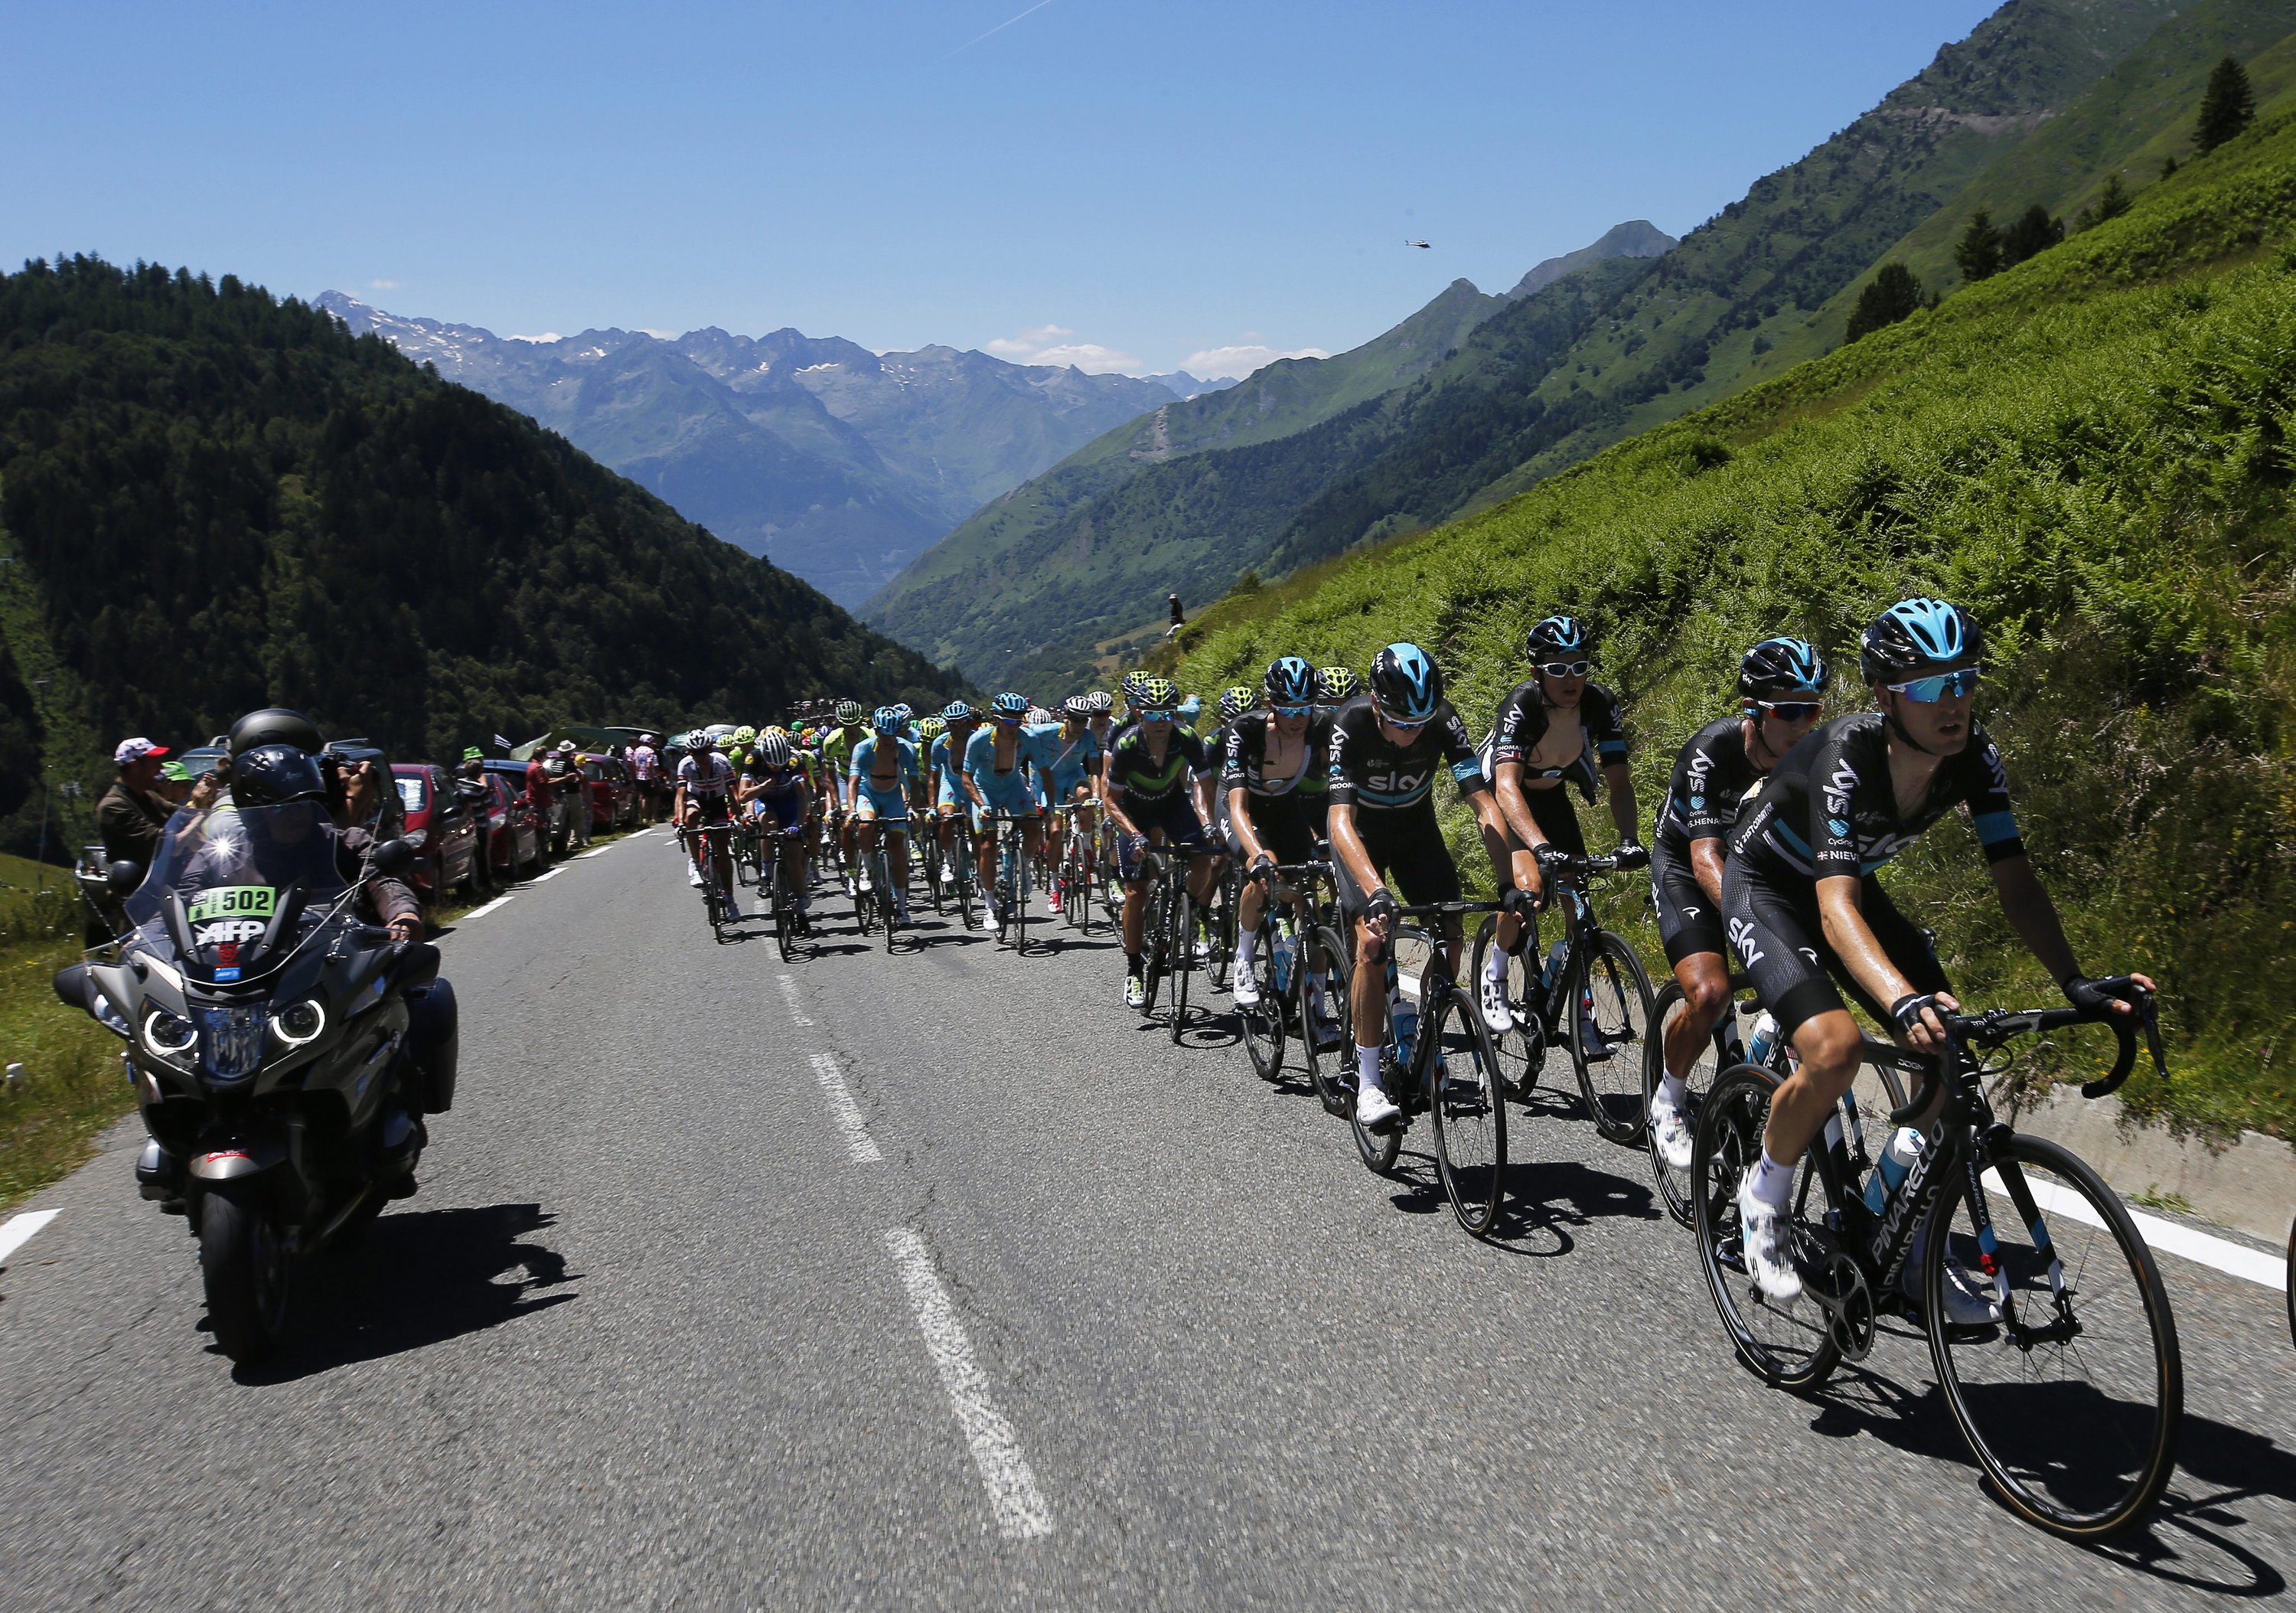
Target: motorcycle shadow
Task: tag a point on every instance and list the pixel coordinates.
(418, 1277)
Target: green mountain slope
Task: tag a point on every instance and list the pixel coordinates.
(213, 500)
(2092, 451)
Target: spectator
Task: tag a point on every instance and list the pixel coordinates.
(132, 812)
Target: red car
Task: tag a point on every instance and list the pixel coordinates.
(516, 841)
(613, 792)
(444, 834)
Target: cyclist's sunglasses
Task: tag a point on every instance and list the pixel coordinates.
(1792, 711)
(1566, 669)
(1155, 716)
(1010, 718)
(1293, 711)
(1929, 691)
(1401, 726)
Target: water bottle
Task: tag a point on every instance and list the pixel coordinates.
(1280, 965)
(1905, 1145)
(1765, 1038)
(1403, 1014)
(1553, 962)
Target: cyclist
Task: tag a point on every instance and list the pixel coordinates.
(837, 748)
(1386, 747)
(773, 789)
(1102, 727)
(1554, 726)
(998, 760)
(1149, 799)
(883, 766)
(1804, 909)
(1781, 682)
(927, 729)
(1275, 789)
(1073, 761)
(953, 793)
(1336, 686)
(705, 796)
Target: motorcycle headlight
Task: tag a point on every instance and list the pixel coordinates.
(109, 1017)
(167, 1035)
(231, 1041)
(415, 837)
(300, 1023)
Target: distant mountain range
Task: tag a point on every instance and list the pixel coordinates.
(838, 464)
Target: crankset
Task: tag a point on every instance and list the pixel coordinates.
(1832, 1277)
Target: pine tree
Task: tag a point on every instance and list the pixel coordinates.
(2167, 167)
(2035, 232)
(1978, 252)
(1891, 295)
(2111, 203)
(2226, 107)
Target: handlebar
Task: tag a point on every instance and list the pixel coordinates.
(1996, 1027)
(1570, 862)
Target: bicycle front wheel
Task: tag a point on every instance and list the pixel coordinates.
(783, 918)
(1470, 1111)
(1319, 986)
(2072, 1402)
(1181, 953)
(1522, 1047)
(1263, 1023)
(1611, 1023)
(1673, 1187)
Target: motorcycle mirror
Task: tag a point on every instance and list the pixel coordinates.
(123, 876)
(393, 857)
(71, 983)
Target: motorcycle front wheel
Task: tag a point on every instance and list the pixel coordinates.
(245, 1267)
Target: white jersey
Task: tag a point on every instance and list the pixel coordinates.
(700, 784)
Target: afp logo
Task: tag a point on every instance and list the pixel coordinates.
(227, 930)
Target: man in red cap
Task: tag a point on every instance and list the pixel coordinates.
(132, 812)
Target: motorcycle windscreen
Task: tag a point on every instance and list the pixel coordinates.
(232, 889)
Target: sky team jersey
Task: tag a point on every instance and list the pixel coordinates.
(705, 777)
(862, 771)
(1712, 779)
(1830, 809)
(1141, 778)
(1367, 772)
(1245, 763)
(1525, 719)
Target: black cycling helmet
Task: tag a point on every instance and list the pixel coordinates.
(1288, 680)
(1558, 636)
(1782, 668)
(274, 725)
(1915, 637)
(1406, 685)
(273, 774)
(1337, 684)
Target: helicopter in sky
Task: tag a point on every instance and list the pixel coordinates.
(1418, 244)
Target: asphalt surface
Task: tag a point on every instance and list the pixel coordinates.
(1102, 1322)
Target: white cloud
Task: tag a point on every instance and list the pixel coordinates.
(1040, 344)
(544, 336)
(647, 330)
(383, 285)
(1237, 362)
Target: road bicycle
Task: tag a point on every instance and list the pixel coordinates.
(1167, 934)
(2071, 1399)
(780, 891)
(1291, 969)
(1218, 918)
(1008, 855)
(1439, 1059)
(1072, 876)
(873, 903)
(1592, 995)
(716, 900)
(1723, 1048)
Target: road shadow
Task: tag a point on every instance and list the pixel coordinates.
(418, 1277)
(1544, 1199)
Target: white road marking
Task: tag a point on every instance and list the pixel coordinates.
(1014, 1497)
(490, 906)
(601, 852)
(847, 1113)
(796, 1004)
(2268, 1270)
(554, 874)
(17, 1230)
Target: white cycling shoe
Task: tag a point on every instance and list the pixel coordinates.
(1670, 1131)
(1763, 1245)
(693, 876)
(1135, 992)
(1244, 989)
(1498, 1013)
(1374, 1107)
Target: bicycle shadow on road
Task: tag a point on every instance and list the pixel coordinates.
(1549, 1196)
(417, 1278)
(2218, 1466)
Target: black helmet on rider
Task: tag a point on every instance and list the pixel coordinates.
(1406, 685)
(1558, 638)
(1918, 638)
(1288, 680)
(273, 774)
(274, 725)
(1782, 668)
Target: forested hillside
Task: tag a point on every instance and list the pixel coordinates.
(2091, 452)
(211, 499)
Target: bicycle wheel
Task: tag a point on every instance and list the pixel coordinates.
(1263, 1024)
(1182, 954)
(1021, 892)
(1470, 1110)
(1673, 1187)
(2073, 1403)
(1521, 1049)
(882, 872)
(1610, 1020)
(1319, 995)
(784, 921)
(864, 902)
(1153, 935)
(1788, 1346)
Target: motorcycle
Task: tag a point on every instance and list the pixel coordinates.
(282, 1052)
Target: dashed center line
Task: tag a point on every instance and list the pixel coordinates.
(847, 1113)
(796, 1003)
(17, 1230)
(482, 911)
(1014, 1497)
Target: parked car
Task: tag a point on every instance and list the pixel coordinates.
(444, 836)
(613, 792)
(520, 844)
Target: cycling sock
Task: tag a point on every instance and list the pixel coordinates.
(1494, 965)
(1367, 1067)
(1247, 947)
(1773, 1182)
(1671, 1089)
(1132, 965)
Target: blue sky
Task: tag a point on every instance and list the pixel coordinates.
(1126, 184)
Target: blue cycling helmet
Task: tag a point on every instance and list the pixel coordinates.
(1558, 636)
(1009, 704)
(888, 720)
(1288, 681)
(957, 711)
(1406, 685)
(909, 713)
(1915, 638)
(1782, 669)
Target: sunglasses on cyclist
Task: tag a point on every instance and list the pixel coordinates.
(1792, 711)
(1566, 669)
(1401, 726)
(1929, 691)
(1293, 711)
(1155, 716)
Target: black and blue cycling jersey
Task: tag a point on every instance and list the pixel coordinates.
(1369, 773)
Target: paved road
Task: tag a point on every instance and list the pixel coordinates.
(938, 1280)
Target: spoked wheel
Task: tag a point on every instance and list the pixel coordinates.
(1182, 947)
(1020, 892)
(784, 921)
(1379, 1149)
(1522, 1049)
(1154, 932)
(1263, 1023)
(1674, 1186)
(865, 907)
(1790, 1346)
(1221, 928)
(1470, 1111)
(882, 863)
(2072, 1402)
(1319, 995)
(245, 1268)
(1610, 1022)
